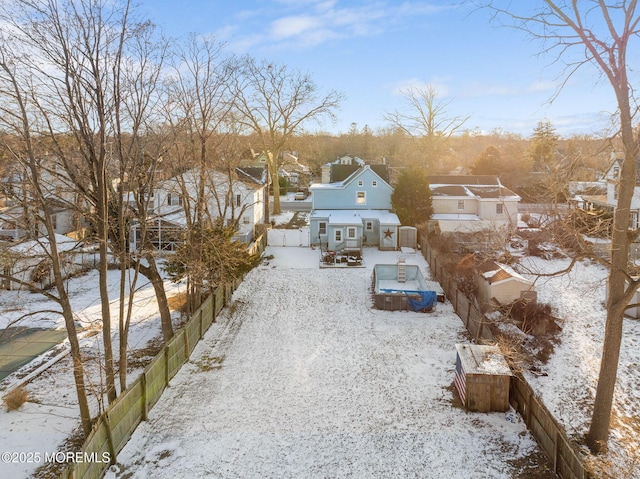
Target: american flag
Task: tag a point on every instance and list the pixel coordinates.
(460, 379)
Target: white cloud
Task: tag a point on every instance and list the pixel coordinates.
(310, 23)
(294, 26)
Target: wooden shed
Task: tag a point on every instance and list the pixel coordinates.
(482, 378)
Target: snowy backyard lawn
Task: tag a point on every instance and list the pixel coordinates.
(300, 377)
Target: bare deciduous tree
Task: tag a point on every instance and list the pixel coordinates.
(17, 112)
(82, 58)
(428, 120)
(275, 103)
(597, 33)
(198, 110)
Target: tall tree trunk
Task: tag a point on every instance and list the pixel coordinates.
(619, 290)
(103, 270)
(153, 275)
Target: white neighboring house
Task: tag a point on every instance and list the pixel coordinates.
(63, 199)
(238, 197)
(472, 203)
(609, 201)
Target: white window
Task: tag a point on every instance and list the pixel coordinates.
(374, 183)
(360, 183)
(460, 204)
(351, 233)
(322, 228)
(238, 200)
(174, 199)
(361, 198)
(369, 225)
(245, 219)
(633, 224)
(499, 208)
(338, 235)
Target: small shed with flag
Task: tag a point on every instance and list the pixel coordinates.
(482, 378)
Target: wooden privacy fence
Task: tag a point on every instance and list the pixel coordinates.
(549, 434)
(117, 423)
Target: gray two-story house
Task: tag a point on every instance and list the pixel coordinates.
(355, 212)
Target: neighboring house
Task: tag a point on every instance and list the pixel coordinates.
(499, 284)
(29, 262)
(353, 212)
(345, 166)
(340, 169)
(239, 198)
(608, 202)
(12, 225)
(290, 168)
(472, 203)
(62, 198)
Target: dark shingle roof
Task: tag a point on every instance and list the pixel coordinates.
(464, 180)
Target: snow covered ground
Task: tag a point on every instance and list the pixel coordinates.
(568, 390)
(50, 416)
(300, 377)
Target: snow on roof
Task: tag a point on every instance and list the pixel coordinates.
(464, 180)
(456, 216)
(495, 272)
(341, 217)
(482, 359)
(177, 217)
(477, 192)
(41, 245)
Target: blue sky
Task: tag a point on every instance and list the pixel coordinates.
(370, 50)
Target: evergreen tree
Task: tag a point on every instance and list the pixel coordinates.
(543, 142)
(222, 260)
(488, 163)
(411, 197)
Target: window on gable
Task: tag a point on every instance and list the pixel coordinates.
(322, 228)
(360, 183)
(174, 199)
(499, 208)
(460, 204)
(374, 183)
(361, 198)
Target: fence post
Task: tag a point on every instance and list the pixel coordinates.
(166, 365)
(186, 344)
(112, 451)
(455, 301)
(145, 405)
(213, 304)
(556, 453)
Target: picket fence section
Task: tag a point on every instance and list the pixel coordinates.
(550, 435)
(117, 423)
